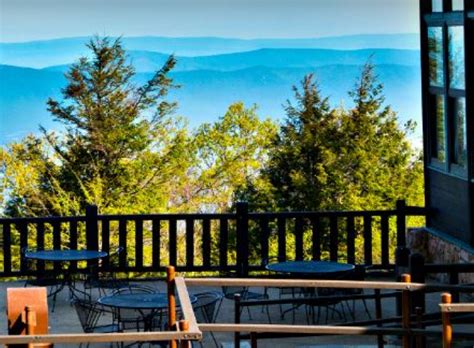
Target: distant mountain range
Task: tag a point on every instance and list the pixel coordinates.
(40, 54)
(210, 83)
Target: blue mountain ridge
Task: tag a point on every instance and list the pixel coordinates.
(146, 61)
(205, 94)
(40, 54)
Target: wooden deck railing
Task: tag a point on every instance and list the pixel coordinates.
(189, 330)
(446, 309)
(406, 328)
(237, 242)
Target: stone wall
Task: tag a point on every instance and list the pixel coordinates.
(439, 248)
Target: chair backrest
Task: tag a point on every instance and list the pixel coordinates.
(88, 314)
(230, 291)
(135, 289)
(205, 306)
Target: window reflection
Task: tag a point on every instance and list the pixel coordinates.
(435, 48)
(457, 5)
(460, 142)
(439, 144)
(437, 5)
(456, 57)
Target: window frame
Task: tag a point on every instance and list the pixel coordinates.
(444, 20)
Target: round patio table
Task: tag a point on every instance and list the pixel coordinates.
(148, 305)
(139, 301)
(61, 257)
(313, 269)
(64, 255)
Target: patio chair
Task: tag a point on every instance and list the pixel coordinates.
(133, 319)
(284, 292)
(246, 295)
(89, 313)
(205, 309)
(323, 299)
(358, 274)
(105, 281)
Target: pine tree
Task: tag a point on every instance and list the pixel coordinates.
(300, 166)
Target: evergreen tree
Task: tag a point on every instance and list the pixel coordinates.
(334, 159)
(301, 164)
(120, 149)
(376, 160)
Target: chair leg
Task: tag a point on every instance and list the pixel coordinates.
(219, 307)
(366, 308)
(268, 314)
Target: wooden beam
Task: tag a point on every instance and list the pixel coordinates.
(301, 283)
(185, 303)
(100, 338)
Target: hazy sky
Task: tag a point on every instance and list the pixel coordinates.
(25, 20)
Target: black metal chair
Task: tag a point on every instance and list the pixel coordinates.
(245, 295)
(105, 281)
(89, 313)
(285, 292)
(133, 319)
(205, 309)
(359, 273)
(50, 280)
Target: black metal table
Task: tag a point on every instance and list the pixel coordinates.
(62, 257)
(146, 304)
(313, 269)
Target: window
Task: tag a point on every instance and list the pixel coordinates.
(457, 5)
(438, 145)
(460, 141)
(456, 57)
(435, 47)
(437, 5)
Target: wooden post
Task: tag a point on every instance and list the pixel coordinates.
(183, 327)
(378, 316)
(406, 278)
(237, 319)
(242, 239)
(447, 327)
(170, 275)
(417, 272)
(92, 231)
(401, 223)
(454, 280)
(30, 322)
(402, 255)
(420, 339)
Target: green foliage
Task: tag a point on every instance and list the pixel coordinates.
(120, 144)
(124, 151)
(335, 159)
(229, 154)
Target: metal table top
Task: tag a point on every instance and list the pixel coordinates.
(64, 255)
(139, 301)
(317, 269)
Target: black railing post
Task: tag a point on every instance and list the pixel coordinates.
(401, 223)
(402, 253)
(242, 239)
(92, 230)
(417, 271)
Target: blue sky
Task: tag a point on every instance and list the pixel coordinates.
(27, 20)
